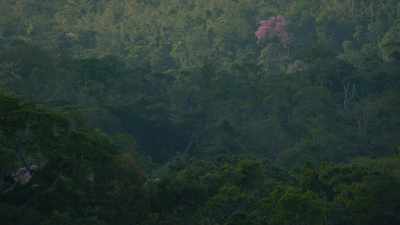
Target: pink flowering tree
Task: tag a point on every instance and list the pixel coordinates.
(273, 27)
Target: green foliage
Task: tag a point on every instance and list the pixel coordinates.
(390, 45)
(361, 192)
(229, 130)
(74, 166)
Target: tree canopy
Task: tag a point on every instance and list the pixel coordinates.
(199, 112)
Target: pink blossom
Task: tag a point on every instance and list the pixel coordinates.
(273, 27)
(264, 28)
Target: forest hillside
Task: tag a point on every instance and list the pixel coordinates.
(212, 112)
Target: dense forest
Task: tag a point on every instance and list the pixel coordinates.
(211, 112)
